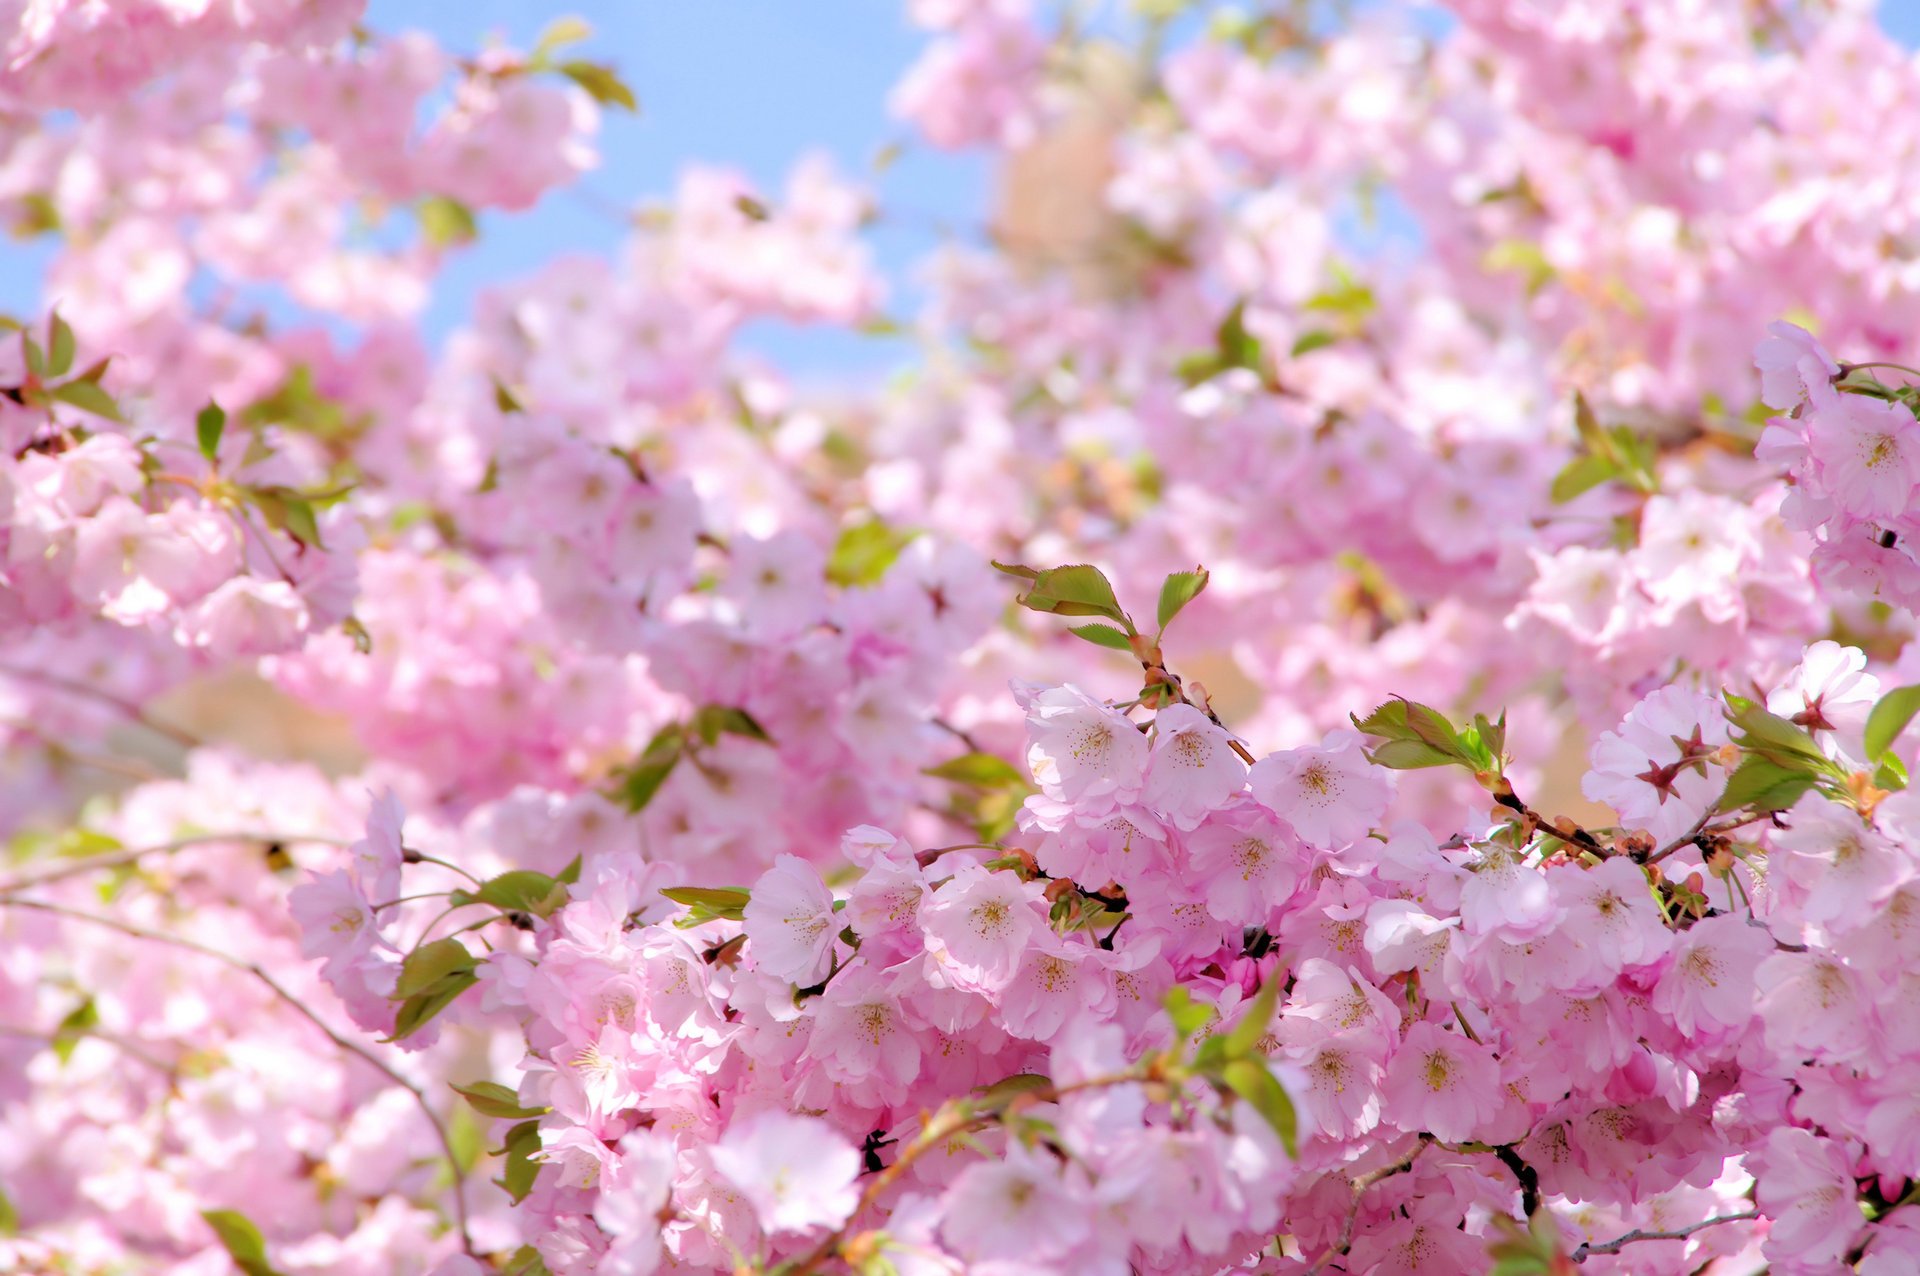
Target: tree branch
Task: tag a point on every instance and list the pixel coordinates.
(278, 990)
(1618, 1243)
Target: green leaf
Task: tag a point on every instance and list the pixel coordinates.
(60, 346)
(1187, 1015)
(356, 629)
(526, 1261)
(89, 397)
(1004, 1091)
(209, 426)
(491, 1099)
(1891, 774)
(523, 1142)
(79, 1021)
(1238, 347)
(419, 1010)
(1308, 342)
(1103, 636)
(570, 875)
(504, 399)
(1779, 740)
(1244, 1041)
(465, 1146)
(713, 720)
(1764, 785)
(638, 783)
(1580, 475)
(523, 891)
(445, 222)
(1255, 1082)
(242, 1241)
(864, 552)
(1409, 755)
(1889, 718)
(1178, 590)
(979, 770)
(430, 963)
(287, 510)
(35, 356)
(729, 902)
(1493, 735)
(562, 31)
(9, 1217)
(601, 83)
(1076, 590)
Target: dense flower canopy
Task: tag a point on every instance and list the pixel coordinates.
(1256, 752)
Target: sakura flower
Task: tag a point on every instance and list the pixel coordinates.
(1806, 1188)
(1441, 1082)
(1192, 770)
(377, 857)
(1331, 795)
(863, 1034)
(1868, 453)
(1505, 894)
(1611, 916)
(1831, 867)
(790, 922)
(1829, 691)
(1790, 359)
(1812, 1004)
(1655, 769)
(1709, 987)
(1018, 1207)
(796, 1171)
(336, 919)
(630, 1214)
(1082, 751)
(1246, 863)
(978, 927)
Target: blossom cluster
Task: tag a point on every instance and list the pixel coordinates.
(581, 799)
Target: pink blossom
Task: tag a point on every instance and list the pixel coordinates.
(796, 1171)
(1331, 795)
(790, 922)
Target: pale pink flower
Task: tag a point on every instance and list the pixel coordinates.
(796, 1171)
(1192, 770)
(1330, 795)
(1441, 1082)
(790, 922)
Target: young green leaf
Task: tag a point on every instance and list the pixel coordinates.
(864, 552)
(729, 902)
(208, 427)
(523, 1142)
(1178, 590)
(978, 770)
(1765, 785)
(714, 720)
(78, 1022)
(1076, 590)
(1253, 1080)
(602, 84)
(1102, 636)
(242, 1241)
(60, 346)
(1889, 718)
(429, 964)
(491, 1099)
(419, 1010)
(89, 397)
(522, 890)
(639, 782)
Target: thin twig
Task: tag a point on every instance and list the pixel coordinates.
(1360, 1186)
(1618, 1243)
(133, 712)
(259, 972)
(119, 859)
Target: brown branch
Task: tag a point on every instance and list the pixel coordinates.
(1360, 1186)
(127, 708)
(119, 859)
(1618, 1243)
(273, 985)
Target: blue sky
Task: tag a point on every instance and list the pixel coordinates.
(752, 84)
(749, 84)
